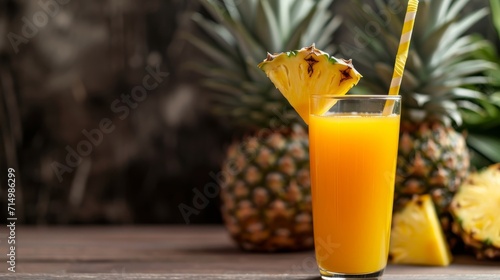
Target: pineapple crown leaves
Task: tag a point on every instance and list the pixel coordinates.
(236, 37)
(440, 68)
(487, 116)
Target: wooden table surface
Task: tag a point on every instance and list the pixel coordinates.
(179, 252)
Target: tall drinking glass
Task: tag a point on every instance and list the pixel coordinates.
(353, 150)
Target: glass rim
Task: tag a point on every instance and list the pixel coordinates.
(360, 97)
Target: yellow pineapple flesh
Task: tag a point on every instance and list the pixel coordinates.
(476, 209)
(416, 235)
(299, 74)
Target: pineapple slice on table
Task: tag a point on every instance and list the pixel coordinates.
(298, 74)
(476, 208)
(416, 235)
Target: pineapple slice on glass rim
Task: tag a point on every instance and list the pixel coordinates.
(299, 74)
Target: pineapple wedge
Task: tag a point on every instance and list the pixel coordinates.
(299, 74)
(476, 208)
(416, 235)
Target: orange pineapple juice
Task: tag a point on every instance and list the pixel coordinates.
(353, 164)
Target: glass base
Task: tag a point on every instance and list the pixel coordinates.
(333, 275)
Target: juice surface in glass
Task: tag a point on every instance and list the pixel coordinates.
(353, 163)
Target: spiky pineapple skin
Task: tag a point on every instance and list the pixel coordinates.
(266, 198)
(432, 158)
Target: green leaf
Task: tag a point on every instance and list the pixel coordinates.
(267, 29)
(316, 27)
(455, 9)
(375, 16)
(444, 8)
(391, 42)
(219, 34)
(474, 80)
(469, 105)
(478, 161)
(213, 53)
(225, 88)
(473, 117)
(495, 11)
(378, 47)
(389, 17)
(420, 30)
(283, 10)
(495, 77)
(215, 8)
(458, 50)
(464, 93)
(232, 9)
(415, 63)
(420, 99)
(326, 36)
(460, 27)
(255, 74)
(247, 10)
(488, 146)
(384, 71)
(435, 90)
(251, 87)
(299, 10)
(215, 72)
(410, 82)
(440, 40)
(248, 46)
(296, 41)
(454, 115)
(460, 69)
(437, 9)
(495, 98)
(366, 41)
(372, 88)
(445, 104)
(492, 118)
(434, 40)
(324, 4)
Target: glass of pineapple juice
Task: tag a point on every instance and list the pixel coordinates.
(353, 150)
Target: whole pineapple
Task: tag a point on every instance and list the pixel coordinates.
(433, 156)
(266, 201)
(266, 194)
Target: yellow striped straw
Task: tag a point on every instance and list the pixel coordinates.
(404, 47)
(402, 55)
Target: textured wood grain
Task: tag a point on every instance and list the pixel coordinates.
(239, 276)
(181, 253)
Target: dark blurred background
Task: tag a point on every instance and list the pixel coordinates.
(64, 66)
(66, 69)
